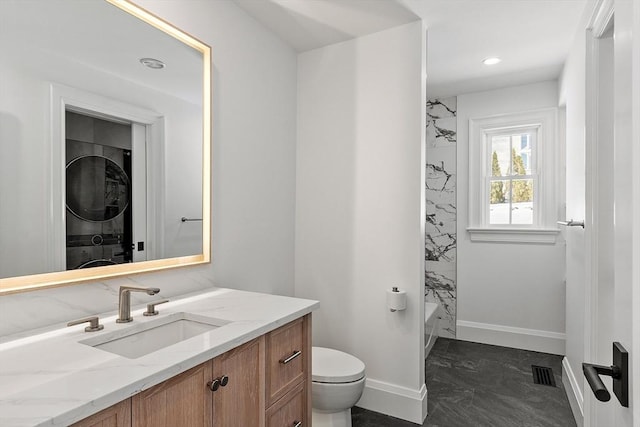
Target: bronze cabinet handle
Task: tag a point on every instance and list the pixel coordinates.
(216, 383)
(290, 358)
(224, 380)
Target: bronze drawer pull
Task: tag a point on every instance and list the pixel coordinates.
(297, 424)
(290, 358)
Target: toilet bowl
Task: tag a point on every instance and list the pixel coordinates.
(337, 384)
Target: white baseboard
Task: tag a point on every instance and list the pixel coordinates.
(574, 392)
(509, 336)
(396, 401)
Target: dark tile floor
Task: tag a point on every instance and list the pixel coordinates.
(479, 385)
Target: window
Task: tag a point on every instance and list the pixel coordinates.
(512, 179)
(512, 174)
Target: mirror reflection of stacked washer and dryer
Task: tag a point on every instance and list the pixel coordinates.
(98, 191)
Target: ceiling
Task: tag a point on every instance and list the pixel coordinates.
(532, 37)
(309, 24)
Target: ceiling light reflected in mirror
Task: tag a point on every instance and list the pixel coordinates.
(152, 63)
(493, 60)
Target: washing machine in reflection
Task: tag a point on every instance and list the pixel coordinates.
(98, 194)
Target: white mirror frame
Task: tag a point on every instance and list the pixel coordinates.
(63, 278)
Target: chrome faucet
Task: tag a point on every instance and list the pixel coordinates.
(124, 307)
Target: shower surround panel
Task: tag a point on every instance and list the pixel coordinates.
(440, 236)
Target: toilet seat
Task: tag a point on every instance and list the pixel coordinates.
(334, 366)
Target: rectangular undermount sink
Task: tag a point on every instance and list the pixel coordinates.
(141, 339)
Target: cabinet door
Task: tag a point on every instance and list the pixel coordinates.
(290, 411)
(183, 401)
(118, 415)
(241, 401)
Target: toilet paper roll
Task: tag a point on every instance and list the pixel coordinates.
(396, 300)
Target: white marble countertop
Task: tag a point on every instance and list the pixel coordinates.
(52, 379)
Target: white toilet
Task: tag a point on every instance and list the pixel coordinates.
(337, 384)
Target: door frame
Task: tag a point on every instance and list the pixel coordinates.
(65, 98)
(635, 273)
(635, 298)
(598, 24)
(630, 59)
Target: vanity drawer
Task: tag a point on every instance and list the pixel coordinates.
(288, 353)
(290, 410)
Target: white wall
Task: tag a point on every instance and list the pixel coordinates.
(508, 294)
(359, 206)
(254, 137)
(254, 133)
(23, 190)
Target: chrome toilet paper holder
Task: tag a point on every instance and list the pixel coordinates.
(398, 305)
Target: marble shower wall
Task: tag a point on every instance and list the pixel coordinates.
(440, 238)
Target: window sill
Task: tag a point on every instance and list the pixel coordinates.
(514, 235)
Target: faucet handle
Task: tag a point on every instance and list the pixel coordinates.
(94, 323)
(151, 307)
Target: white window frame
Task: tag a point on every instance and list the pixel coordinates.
(546, 152)
(488, 178)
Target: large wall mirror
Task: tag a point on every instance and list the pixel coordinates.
(105, 141)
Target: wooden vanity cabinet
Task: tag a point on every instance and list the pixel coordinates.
(188, 400)
(288, 374)
(183, 400)
(118, 415)
(290, 411)
(265, 382)
(285, 359)
(241, 401)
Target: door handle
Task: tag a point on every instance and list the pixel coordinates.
(619, 371)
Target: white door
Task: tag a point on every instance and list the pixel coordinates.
(613, 197)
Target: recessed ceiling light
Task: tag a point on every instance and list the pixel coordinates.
(156, 64)
(491, 61)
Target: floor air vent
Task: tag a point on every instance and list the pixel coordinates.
(543, 375)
